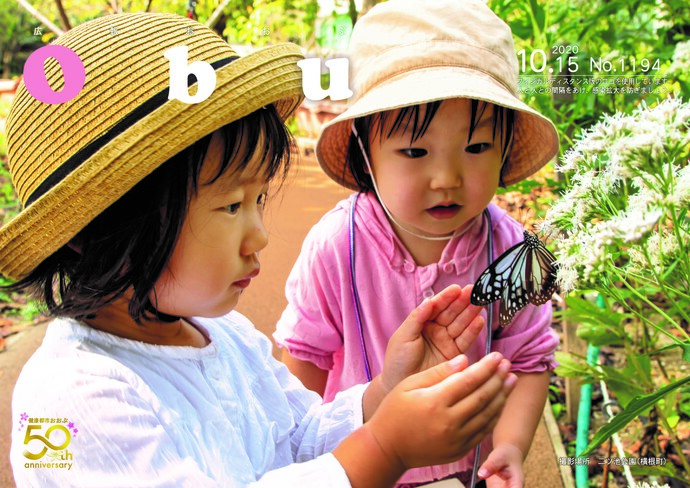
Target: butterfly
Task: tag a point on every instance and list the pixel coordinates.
(524, 273)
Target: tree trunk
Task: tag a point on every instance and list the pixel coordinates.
(63, 15)
(217, 14)
(8, 56)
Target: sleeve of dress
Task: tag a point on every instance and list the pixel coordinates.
(310, 327)
(528, 341)
(319, 428)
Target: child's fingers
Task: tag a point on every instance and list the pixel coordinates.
(456, 388)
(481, 410)
(468, 334)
(493, 464)
(442, 301)
(412, 327)
(504, 462)
(460, 311)
(437, 374)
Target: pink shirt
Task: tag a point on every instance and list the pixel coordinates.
(319, 323)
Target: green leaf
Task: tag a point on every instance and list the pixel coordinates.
(599, 335)
(580, 310)
(644, 363)
(622, 383)
(539, 16)
(638, 406)
(684, 403)
(571, 367)
(648, 471)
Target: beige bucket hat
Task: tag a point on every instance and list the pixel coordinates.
(408, 52)
(70, 161)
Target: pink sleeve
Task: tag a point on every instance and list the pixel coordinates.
(528, 341)
(310, 327)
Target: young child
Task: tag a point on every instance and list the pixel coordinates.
(434, 128)
(141, 228)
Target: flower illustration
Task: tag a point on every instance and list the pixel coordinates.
(24, 416)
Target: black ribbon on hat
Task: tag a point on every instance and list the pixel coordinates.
(89, 150)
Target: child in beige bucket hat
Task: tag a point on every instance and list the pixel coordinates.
(141, 228)
(434, 127)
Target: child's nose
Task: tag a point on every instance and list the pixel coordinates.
(446, 174)
(256, 237)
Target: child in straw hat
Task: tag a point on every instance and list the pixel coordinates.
(434, 128)
(142, 226)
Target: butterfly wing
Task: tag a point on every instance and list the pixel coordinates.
(542, 268)
(493, 280)
(514, 295)
(525, 273)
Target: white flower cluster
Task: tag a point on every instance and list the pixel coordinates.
(644, 484)
(630, 178)
(681, 60)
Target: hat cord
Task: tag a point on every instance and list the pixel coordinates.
(385, 208)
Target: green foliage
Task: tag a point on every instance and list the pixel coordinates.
(264, 22)
(15, 25)
(638, 406)
(611, 30)
(598, 326)
(4, 296)
(623, 231)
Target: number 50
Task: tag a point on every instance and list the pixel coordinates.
(47, 444)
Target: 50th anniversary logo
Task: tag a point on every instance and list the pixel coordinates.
(46, 441)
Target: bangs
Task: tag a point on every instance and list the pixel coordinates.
(261, 134)
(414, 119)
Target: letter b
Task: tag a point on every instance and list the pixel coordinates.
(311, 79)
(179, 71)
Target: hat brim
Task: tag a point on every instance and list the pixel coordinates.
(535, 139)
(268, 75)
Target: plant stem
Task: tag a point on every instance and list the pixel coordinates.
(661, 283)
(656, 309)
(675, 441)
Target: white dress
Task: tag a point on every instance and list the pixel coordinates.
(124, 413)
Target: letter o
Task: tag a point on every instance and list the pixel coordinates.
(72, 68)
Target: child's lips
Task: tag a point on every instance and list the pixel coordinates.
(244, 282)
(443, 212)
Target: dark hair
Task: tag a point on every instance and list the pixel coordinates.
(380, 121)
(130, 243)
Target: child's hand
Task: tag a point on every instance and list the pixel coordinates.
(438, 415)
(503, 468)
(437, 330)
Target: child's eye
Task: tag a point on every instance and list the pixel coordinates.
(233, 208)
(478, 148)
(414, 152)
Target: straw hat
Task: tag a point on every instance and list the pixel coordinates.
(70, 161)
(407, 52)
